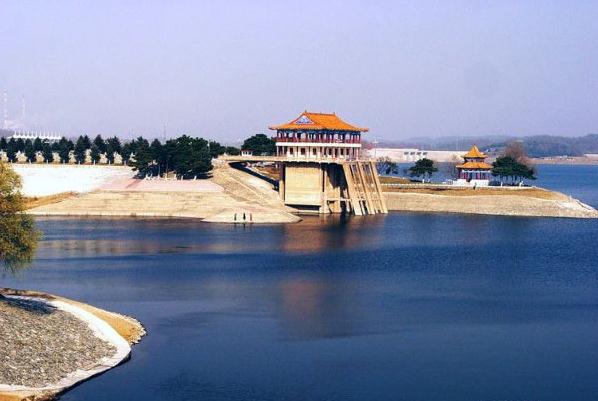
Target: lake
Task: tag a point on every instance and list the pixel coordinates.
(400, 307)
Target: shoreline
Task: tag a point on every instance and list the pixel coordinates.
(233, 196)
(504, 204)
(118, 331)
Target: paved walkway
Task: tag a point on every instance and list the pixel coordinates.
(161, 185)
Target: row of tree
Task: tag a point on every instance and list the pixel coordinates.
(184, 156)
(512, 166)
(84, 149)
(65, 148)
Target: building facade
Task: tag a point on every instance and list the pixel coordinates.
(318, 136)
(321, 166)
(474, 170)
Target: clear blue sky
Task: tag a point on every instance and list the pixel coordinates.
(227, 69)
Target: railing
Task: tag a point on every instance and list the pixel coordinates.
(321, 159)
(314, 140)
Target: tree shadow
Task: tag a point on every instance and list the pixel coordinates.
(29, 305)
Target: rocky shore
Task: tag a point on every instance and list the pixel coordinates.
(31, 333)
(49, 343)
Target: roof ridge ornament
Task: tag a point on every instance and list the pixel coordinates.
(303, 120)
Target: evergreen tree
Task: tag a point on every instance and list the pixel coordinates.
(3, 143)
(30, 152)
(37, 145)
(216, 149)
(86, 142)
(47, 152)
(260, 144)
(11, 150)
(109, 153)
(126, 153)
(192, 157)
(100, 144)
(64, 150)
(20, 145)
(114, 142)
(232, 151)
(506, 167)
(423, 167)
(95, 154)
(143, 161)
(80, 150)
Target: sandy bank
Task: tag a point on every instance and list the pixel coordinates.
(234, 196)
(553, 205)
(230, 196)
(52, 343)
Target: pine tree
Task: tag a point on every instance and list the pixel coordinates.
(64, 150)
(30, 152)
(100, 143)
(86, 142)
(37, 144)
(95, 154)
(11, 150)
(126, 153)
(423, 167)
(110, 153)
(47, 152)
(80, 150)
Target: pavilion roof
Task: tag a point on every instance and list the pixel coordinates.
(475, 153)
(475, 166)
(318, 121)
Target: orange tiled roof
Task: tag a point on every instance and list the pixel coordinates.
(318, 121)
(474, 152)
(475, 165)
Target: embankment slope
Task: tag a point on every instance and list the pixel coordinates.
(503, 203)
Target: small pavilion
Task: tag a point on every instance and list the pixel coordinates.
(474, 170)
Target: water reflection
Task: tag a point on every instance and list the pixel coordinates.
(333, 309)
(77, 237)
(314, 309)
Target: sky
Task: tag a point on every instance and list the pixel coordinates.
(227, 69)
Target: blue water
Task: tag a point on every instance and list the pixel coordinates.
(403, 307)
(581, 182)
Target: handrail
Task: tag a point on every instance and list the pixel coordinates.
(304, 140)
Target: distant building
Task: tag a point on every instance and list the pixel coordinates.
(410, 155)
(474, 170)
(34, 135)
(246, 152)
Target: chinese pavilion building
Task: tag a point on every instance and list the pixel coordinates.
(474, 170)
(321, 166)
(318, 136)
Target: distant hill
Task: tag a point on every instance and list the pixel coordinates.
(536, 146)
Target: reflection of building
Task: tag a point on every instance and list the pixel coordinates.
(474, 170)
